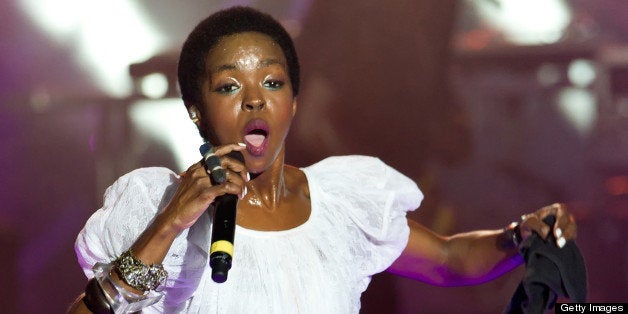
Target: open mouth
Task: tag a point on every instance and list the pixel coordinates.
(256, 137)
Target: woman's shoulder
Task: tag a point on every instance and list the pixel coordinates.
(135, 197)
(364, 178)
(140, 192)
(149, 175)
(149, 178)
(346, 160)
(360, 169)
(372, 199)
(346, 164)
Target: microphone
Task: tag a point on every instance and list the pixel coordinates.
(223, 226)
(212, 163)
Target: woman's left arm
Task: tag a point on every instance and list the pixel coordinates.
(477, 256)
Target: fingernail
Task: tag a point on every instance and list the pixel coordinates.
(242, 144)
(561, 242)
(243, 194)
(558, 232)
(248, 176)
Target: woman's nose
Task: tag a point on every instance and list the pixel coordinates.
(253, 104)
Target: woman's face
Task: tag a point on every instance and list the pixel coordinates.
(247, 97)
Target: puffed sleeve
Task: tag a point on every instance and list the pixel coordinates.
(129, 205)
(375, 197)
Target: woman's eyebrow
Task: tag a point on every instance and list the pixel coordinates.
(269, 62)
(233, 66)
(224, 67)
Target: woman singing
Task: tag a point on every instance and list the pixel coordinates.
(307, 239)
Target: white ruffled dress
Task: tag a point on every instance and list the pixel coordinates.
(357, 228)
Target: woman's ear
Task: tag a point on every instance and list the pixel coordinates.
(294, 106)
(195, 115)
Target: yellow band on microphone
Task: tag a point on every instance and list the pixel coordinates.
(222, 246)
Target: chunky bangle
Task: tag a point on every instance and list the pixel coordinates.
(138, 275)
(120, 299)
(95, 298)
(512, 234)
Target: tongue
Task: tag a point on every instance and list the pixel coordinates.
(255, 139)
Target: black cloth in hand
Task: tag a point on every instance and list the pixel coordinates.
(550, 272)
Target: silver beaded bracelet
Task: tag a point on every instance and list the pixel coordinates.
(137, 274)
(120, 299)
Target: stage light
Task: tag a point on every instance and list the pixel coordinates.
(154, 85)
(529, 22)
(105, 36)
(179, 134)
(581, 73)
(579, 107)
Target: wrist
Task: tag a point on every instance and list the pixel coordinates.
(135, 273)
(119, 298)
(154, 243)
(512, 238)
(167, 225)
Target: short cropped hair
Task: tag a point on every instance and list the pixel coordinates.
(223, 23)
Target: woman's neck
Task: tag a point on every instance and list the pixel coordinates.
(266, 190)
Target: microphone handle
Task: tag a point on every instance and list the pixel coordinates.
(223, 230)
(224, 220)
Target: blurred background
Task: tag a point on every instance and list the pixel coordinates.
(495, 108)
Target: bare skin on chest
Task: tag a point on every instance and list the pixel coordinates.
(289, 208)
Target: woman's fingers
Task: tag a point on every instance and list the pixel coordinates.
(532, 223)
(196, 192)
(228, 187)
(196, 179)
(232, 168)
(564, 227)
(233, 164)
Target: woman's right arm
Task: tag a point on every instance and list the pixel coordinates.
(193, 196)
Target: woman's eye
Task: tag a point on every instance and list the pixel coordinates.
(272, 84)
(227, 88)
